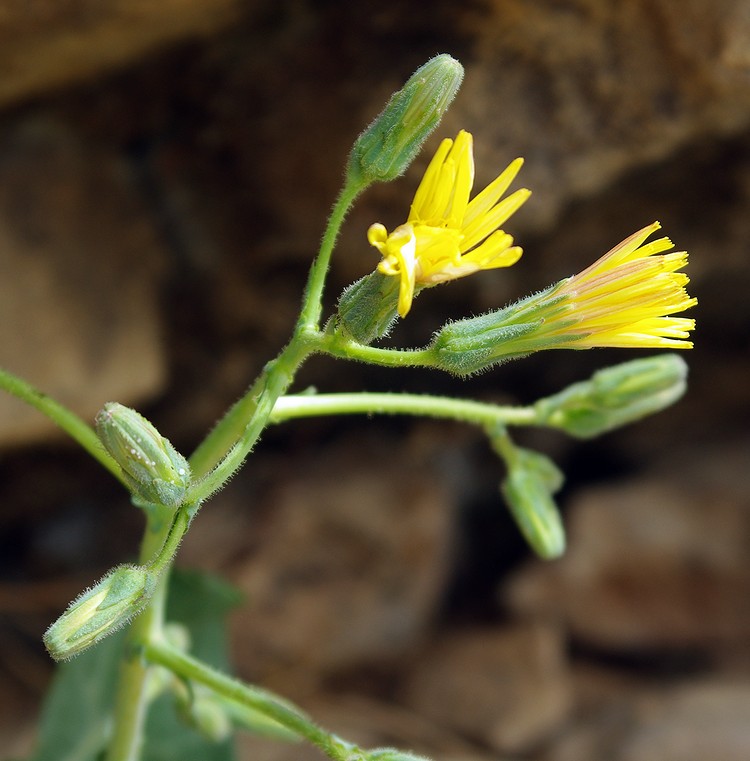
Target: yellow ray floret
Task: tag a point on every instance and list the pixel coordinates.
(447, 236)
(627, 297)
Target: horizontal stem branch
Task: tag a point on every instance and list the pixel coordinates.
(421, 405)
(337, 346)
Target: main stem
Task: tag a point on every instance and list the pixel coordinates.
(274, 381)
(312, 305)
(220, 454)
(130, 699)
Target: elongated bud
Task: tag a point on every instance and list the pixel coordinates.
(203, 710)
(155, 471)
(532, 480)
(616, 396)
(469, 346)
(387, 147)
(100, 611)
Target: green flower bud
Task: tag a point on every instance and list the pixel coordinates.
(154, 470)
(368, 308)
(532, 480)
(100, 611)
(387, 147)
(203, 710)
(616, 396)
(469, 346)
(178, 636)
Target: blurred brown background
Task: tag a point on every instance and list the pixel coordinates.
(165, 172)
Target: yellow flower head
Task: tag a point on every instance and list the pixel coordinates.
(626, 298)
(447, 236)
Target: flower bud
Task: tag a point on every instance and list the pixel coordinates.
(100, 611)
(368, 308)
(154, 470)
(203, 710)
(469, 346)
(387, 147)
(178, 636)
(615, 396)
(532, 480)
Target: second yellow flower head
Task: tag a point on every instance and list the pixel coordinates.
(447, 236)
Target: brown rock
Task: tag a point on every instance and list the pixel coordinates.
(586, 91)
(348, 569)
(694, 721)
(80, 262)
(657, 562)
(505, 687)
(698, 722)
(47, 44)
(589, 90)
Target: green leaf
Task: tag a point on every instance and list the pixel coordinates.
(201, 602)
(76, 716)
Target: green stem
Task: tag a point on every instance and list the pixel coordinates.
(504, 447)
(226, 446)
(131, 698)
(337, 346)
(422, 405)
(312, 305)
(73, 425)
(167, 551)
(158, 652)
(217, 458)
(225, 433)
(223, 439)
(276, 378)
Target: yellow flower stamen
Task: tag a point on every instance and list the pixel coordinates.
(446, 236)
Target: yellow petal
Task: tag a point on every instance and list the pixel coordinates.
(426, 187)
(481, 227)
(497, 251)
(463, 181)
(485, 200)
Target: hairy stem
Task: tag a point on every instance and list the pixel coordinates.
(262, 701)
(312, 305)
(337, 346)
(276, 378)
(225, 436)
(422, 405)
(73, 425)
(131, 696)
